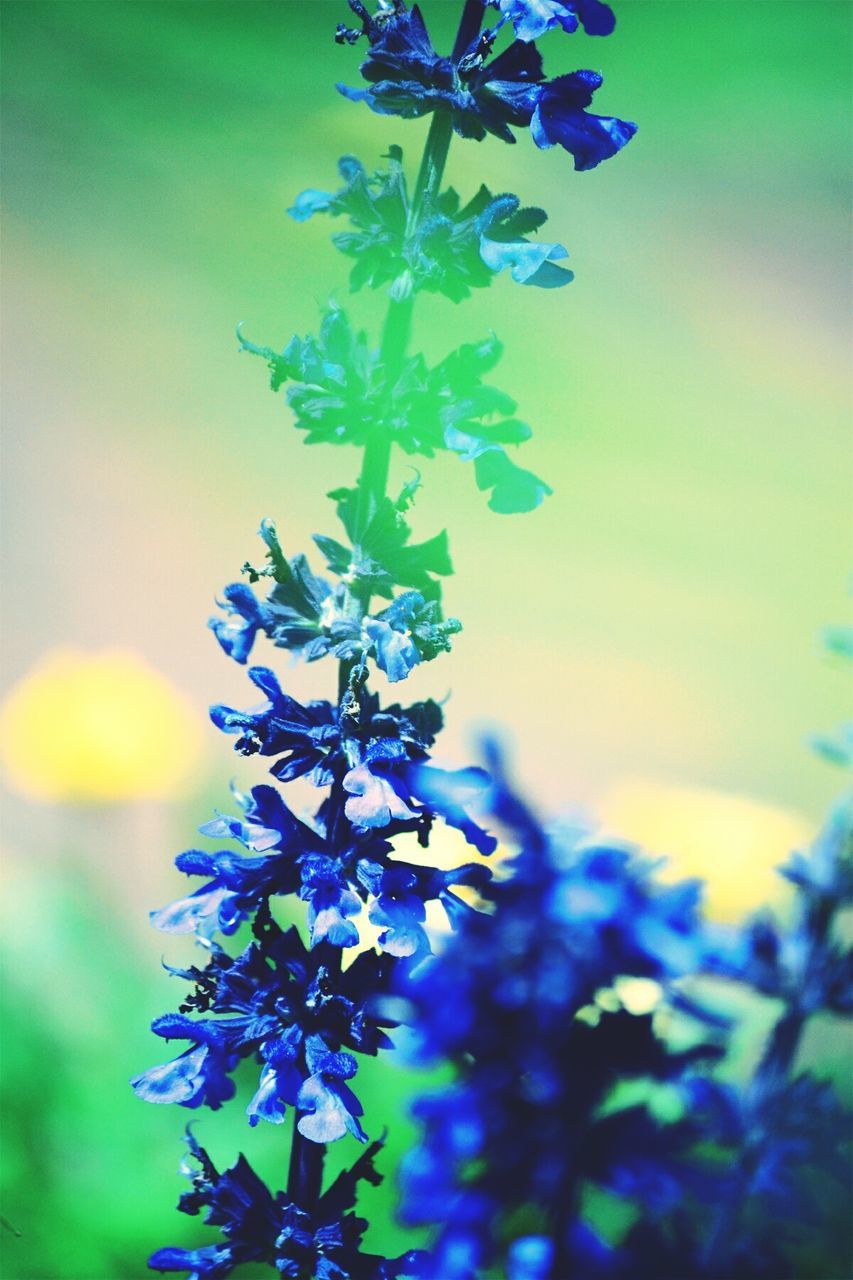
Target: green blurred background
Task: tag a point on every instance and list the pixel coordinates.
(649, 635)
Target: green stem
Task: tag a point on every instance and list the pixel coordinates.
(432, 164)
(397, 328)
(305, 1177)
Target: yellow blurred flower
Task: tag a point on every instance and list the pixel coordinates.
(98, 728)
(732, 843)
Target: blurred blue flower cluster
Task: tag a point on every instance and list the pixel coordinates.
(567, 1091)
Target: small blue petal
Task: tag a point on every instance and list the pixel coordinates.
(373, 802)
(177, 1081)
(309, 202)
(525, 260)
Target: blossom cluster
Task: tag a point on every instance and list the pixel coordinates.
(257, 1226)
(584, 1018)
(481, 94)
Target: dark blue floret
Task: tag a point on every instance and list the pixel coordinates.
(295, 1016)
(212, 1262)
(399, 911)
(240, 884)
(597, 19)
(306, 738)
(329, 1107)
(560, 119)
(409, 79)
(244, 617)
(259, 1227)
(303, 612)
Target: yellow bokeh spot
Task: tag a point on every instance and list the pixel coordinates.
(732, 843)
(98, 728)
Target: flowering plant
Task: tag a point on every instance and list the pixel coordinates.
(514, 1001)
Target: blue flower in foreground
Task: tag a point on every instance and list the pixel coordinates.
(240, 884)
(293, 1016)
(375, 752)
(400, 912)
(525, 1002)
(302, 613)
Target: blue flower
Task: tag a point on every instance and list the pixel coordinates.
(267, 824)
(408, 78)
(304, 737)
(209, 1263)
(401, 890)
(400, 912)
(511, 1002)
(329, 900)
(273, 1003)
(560, 119)
(280, 1080)
(330, 1107)
(244, 617)
(240, 884)
(375, 802)
(534, 18)
(199, 1076)
(302, 613)
(529, 263)
(408, 632)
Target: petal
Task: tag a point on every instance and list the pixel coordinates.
(309, 202)
(199, 913)
(177, 1081)
(373, 801)
(266, 1103)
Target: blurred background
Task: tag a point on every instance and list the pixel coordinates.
(648, 640)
